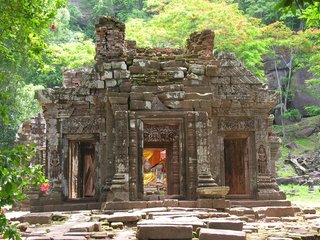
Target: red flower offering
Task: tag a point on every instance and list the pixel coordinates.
(44, 187)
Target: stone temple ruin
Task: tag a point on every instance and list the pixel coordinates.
(151, 124)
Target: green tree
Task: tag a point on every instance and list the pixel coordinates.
(16, 175)
(24, 25)
(84, 16)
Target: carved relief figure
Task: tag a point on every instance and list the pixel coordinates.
(262, 160)
(55, 164)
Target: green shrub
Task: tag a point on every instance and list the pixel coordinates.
(313, 110)
(292, 115)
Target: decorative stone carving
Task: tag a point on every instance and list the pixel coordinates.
(225, 124)
(165, 133)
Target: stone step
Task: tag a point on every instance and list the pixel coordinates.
(259, 203)
(218, 234)
(154, 232)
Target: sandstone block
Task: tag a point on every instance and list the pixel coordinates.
(86, 227)
(225, 224)
(121, 74)
(279, 211)
(136, 70)
(309, 211)
(106, 66)
(217, 234)
(111, 83)
(118, 65)
(212, 70)
(145, 232)
(37, 218)
(117, 225)
(124, 217)
(197, 69)
(188, 204)
(170, 203)
(107, 75)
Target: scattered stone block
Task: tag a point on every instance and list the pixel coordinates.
(145, 232)
(218, 234)
(23, 226)
(117, 225)
(309, 211)
(86, 227)
(124, 217)
(37, 218)
(225, 224)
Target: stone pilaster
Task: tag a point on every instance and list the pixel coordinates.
(120, 183)
(204, 174)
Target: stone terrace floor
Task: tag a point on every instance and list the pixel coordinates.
(237, 223)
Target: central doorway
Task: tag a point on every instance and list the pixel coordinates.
(161, 171)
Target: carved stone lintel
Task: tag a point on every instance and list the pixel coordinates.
(235, 124)
(156, 133)
(81, 125)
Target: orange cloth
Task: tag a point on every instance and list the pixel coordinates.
(153, 156)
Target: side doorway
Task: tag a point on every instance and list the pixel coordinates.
(81, 170)
(236, 167)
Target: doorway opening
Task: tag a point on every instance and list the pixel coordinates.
(160, 170)
(236, 166)
(81, 170)
(155, 171)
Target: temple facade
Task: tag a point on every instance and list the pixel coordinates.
(150, 124)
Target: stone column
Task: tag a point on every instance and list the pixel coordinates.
(120, 183)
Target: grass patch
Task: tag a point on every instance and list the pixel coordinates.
(300, 196)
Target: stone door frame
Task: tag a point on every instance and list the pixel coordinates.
(137, 122)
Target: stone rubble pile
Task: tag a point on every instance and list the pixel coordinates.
(236, 223)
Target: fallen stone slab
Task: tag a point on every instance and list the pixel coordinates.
(86, 227)
(225, 224)
(218, 234)
(275, 211)
(124, 217)
(146, 232)
(311, 216)
(36, 218)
